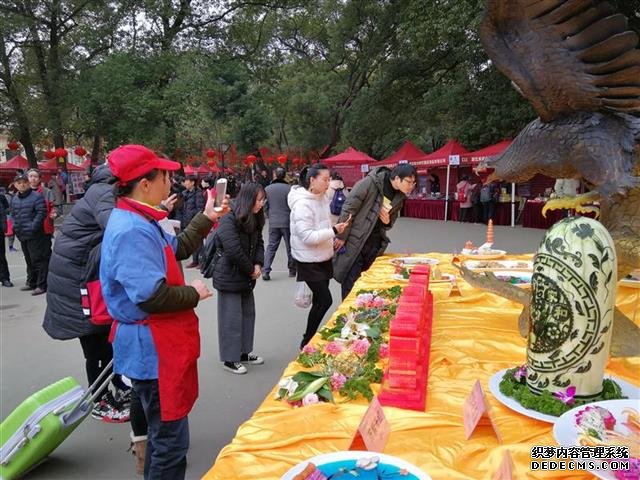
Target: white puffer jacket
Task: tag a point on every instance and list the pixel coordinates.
(311, 230)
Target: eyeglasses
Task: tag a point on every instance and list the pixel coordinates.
(409, 181)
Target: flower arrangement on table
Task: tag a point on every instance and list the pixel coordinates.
(514, 384)
(345, 362)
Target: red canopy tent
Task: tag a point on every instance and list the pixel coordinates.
(442, 157)
(16, 163)
(86, 164)
(473, 158)
(408, 151)
(349, 164)
(52, 165)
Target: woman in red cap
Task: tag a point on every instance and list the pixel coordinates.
(155, 331)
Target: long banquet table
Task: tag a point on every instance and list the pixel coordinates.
(433, 209)
(473, 337)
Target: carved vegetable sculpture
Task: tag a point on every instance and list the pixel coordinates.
(572, 308)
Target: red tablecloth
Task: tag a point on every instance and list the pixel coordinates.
(532, 215)
(434, 210)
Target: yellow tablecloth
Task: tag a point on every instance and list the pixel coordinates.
(474, 336)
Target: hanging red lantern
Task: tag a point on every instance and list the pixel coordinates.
(49, 154)
(212, 164)
(282, 159)
(251, 159)
(211, 153)
(60, 152)
(13, 146)
(79, 151)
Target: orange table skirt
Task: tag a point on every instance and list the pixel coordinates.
(474, 336)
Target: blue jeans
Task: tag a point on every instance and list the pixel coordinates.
(167, 442)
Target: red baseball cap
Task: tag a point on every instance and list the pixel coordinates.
(129, 162)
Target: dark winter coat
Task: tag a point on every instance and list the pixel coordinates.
(364, 203)
(81, 231)
(192, 203)
(28, 210)
(277, 205)
(236, 254)
(4, 211)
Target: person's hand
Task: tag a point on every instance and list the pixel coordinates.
(341, 227)
(338, 243)
(210, 210)
(170, 202)
(53, 214)
(384, 216)
(257, 271)
(201, 288)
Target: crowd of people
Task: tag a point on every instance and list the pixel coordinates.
(140, 314)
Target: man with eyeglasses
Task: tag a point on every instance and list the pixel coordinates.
(372, 207)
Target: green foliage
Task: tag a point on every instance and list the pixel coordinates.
(545, 402)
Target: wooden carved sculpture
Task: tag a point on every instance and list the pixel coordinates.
(577, 63)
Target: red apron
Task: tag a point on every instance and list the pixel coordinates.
(177, 341)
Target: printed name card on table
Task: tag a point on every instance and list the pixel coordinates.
(506, 470)
(373, 431)
(477, 408)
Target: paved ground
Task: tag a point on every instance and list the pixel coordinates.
(29, 359)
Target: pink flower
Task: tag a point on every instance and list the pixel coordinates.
(360, 347)
(378, 302)
(520, 373)
(333, 348)
(309, 349)
(364, 299)
(310, 399)
(566, 397)
(337, 381)
(384, 350)
(608, 420)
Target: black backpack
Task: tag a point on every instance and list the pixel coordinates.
(207, 256)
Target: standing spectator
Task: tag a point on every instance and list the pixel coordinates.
(463, 189)
(29, 212)
(156, 342)
(476, 206)
(374, 204)
(56, 192)
(278, 212)
(336, 184)
(312, 239)
(74, 253)
(435, 183)
(263, 179)
(193, 200)
(237, 265)
(10, 193)
(489, 193)
(5, 277)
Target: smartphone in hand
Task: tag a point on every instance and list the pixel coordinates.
(221, 192)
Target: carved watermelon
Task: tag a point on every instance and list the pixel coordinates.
(572, 304)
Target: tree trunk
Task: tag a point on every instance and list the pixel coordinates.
(24, 127)
(95, 151)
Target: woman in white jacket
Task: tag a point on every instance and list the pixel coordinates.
(312, 241)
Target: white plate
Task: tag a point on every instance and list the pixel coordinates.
(495, 254)
(446, 278)
(355, 455)
(510, 273)
(566, 432)
(629, 283)
(513, 265)
(628, 390)
(414, 261)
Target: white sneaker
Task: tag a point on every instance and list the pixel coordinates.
(235, 367)
(251, 359)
